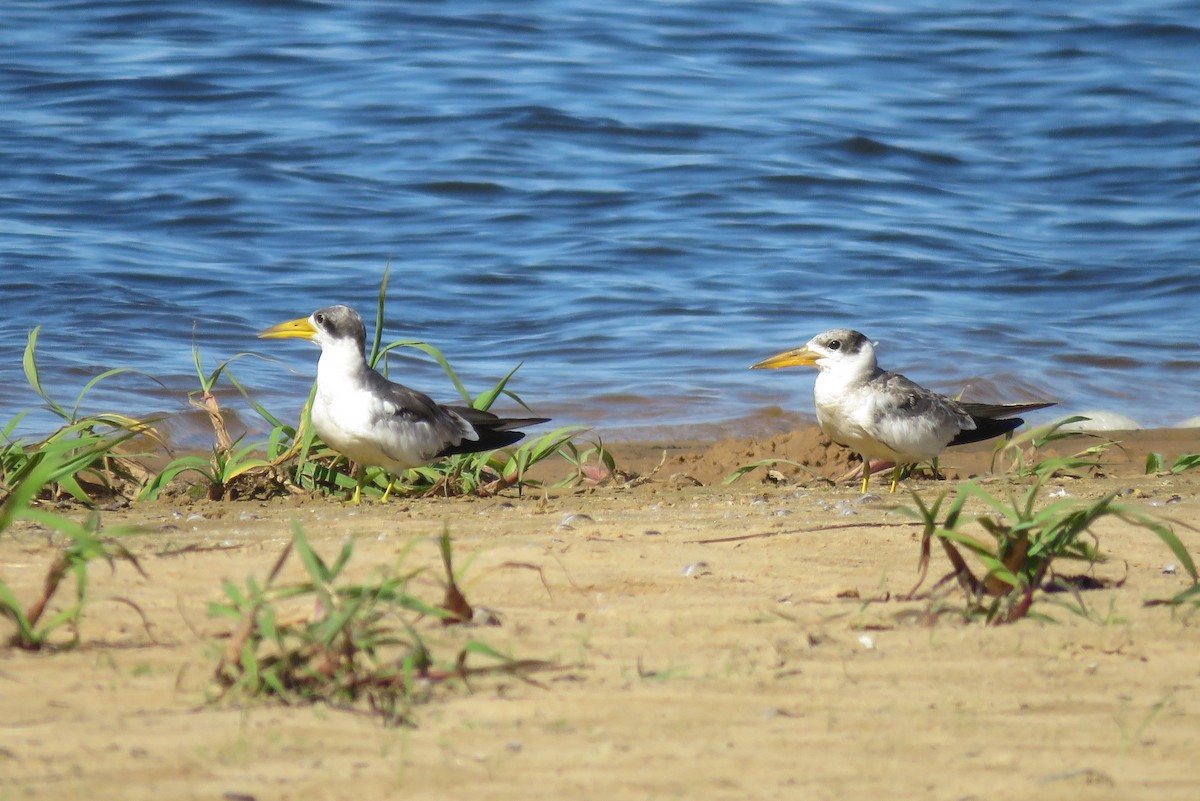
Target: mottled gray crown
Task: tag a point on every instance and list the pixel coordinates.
(341, 322)
(842, 340)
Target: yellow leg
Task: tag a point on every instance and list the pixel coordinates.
(896, 471)
(866, 473)
(360, 475)
(388, 492)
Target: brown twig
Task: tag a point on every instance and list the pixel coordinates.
(811, 530)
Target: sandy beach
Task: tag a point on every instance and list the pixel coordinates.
(737, 641)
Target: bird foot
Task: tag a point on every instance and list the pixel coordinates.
(864, 471)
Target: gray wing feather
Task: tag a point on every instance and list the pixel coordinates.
(451, 429)
(904, 402)
(446, 429)
(1001, 410)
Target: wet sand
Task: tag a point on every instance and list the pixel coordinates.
(710, 641)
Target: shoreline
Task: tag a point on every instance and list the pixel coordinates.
(631, 421)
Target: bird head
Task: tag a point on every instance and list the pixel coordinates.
(333, 326)
(836, 348)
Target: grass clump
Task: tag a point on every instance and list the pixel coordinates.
(1157, 463)
(1017, 454)
(1028, 539)
(232, 469)
(350, 645)
(57, 464)
(85, 458)
(34, 628)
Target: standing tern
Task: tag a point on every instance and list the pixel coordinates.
(883, 415)
(373, 421)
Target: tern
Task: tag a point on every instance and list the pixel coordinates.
(883, 415)
(373, 421)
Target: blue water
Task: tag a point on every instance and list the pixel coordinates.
(635, 199)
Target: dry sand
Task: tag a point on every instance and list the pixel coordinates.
(777, 666)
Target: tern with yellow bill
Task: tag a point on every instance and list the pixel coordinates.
(883, 415)
(373, 421)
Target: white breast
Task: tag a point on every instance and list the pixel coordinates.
(862, 416)
(846, 413)
(364, 426)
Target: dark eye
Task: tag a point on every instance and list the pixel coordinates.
(320, 318)
(835, 344)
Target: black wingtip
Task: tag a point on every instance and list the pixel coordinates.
(493, 432)
(512, 423)
(986, 428)
(489, 440)
(993, 420)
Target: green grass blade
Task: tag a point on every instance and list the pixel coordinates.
(383, 285)
(486, 399)
(1190, 595)
(1164, 533)
(747, 468)
(483, 649)
(438, 356)
(32, 376)
(259, 409)
(11, 609)
(1186, 462)
(107, 374)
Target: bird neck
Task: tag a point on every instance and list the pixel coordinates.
(339, 362)
(834, 379)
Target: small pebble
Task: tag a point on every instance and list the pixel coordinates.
(572, 519)
(1169, 569)
(695, 569)
(845, 508)
(776, 712)
(869, 497)
(781, 512)
(867, 641)
(483, 616)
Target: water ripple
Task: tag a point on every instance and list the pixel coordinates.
(637, 200)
